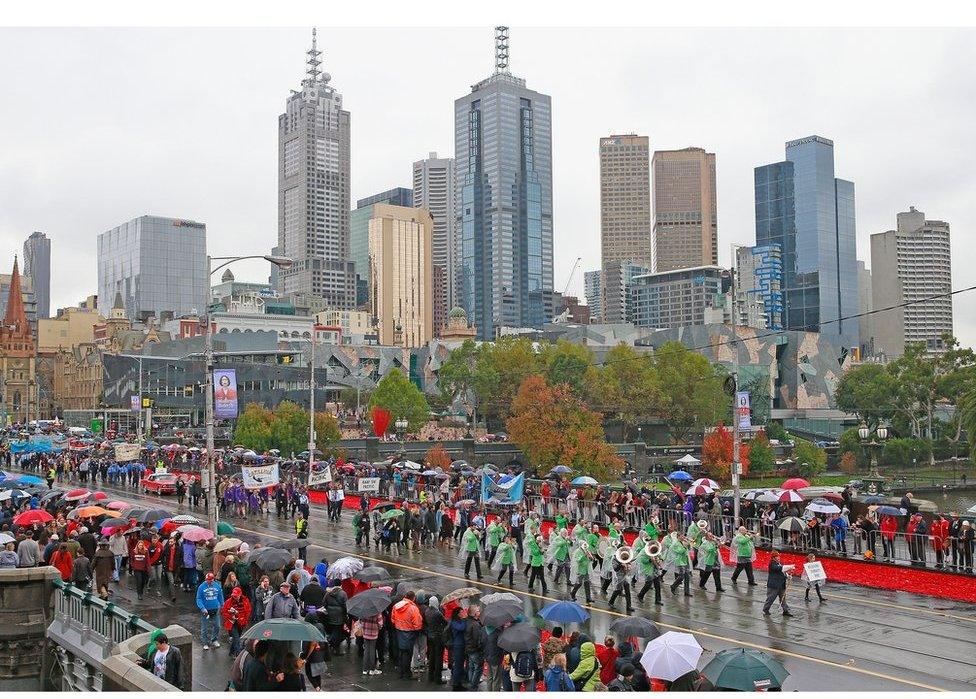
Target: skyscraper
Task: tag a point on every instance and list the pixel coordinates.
(503, 149)
(809, 213)
(434, 189)
(616, 290)
(912, 264)
(359, 234)
(625, 200)
(865, 302)
(593, 290)
(313, 191)
(37, 268)
(685, 209)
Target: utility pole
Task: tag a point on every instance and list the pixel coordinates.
(736, 439)
(311, 405)
(208, 415)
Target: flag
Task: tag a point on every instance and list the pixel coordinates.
(507, 490)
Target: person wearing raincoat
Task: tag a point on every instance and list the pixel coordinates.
(504, 560)
(606, 565)
(581, 572)
(471, 550)
(536, 561)
(709, 562)
(682, 565)
(649, 570)
(495, 533)
(558, 554)
(744, 552)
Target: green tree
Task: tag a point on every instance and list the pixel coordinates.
(868, 391)
(628, 385)
(456, 375)
(500, 369)
(904, 452)
(396, 393)
(326, 431)
(761, 457)
(775, 430)
(571, 364)
(692, 392)
(850, 443)
(289, 428)
(810, 460)
(253, 428)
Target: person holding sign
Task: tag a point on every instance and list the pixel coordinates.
(814, 577)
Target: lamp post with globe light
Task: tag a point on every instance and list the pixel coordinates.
(865, 433)
(401, 425)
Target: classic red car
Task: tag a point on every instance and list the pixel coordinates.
(162, 483)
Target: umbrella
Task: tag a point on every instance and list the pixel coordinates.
(385, 505)
(269, 558)
(745, 670)
(92, 511)
(755, 493)
(151, 515)
(390, 514)
(14, 494)
(184, 519)
(368, 603)
(345, 567)
(707, 482)
(229, 544)
(409, 465)
(27, 480)
(441, 476)
(679, 476)
(98, 495)
(460, 593)
(198, 534)
(876, 500)
(699, 490)
(635, 626)
(584, 480)
(54, 494)
(823, 506)
(890, 510)
(564, 612)
(429, 472)
(795, 484)
(671, 655)
(6, 538)
(31, 517)
(500, 614)
(793, 524)
(465, 503)
(77, 494)
(117, 505)
(115, 522)
(501, 597)
(789, 496)
(373, 574)
(284, 630)
(225, 528)
(561, 469)
(521, 636)
(290, 544)
(972, 509)
(459, 464)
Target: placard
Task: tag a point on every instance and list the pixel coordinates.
(814, 571)
(742, 410)
(369, 485)
(127, 452)
(259, 476)
(319, 475)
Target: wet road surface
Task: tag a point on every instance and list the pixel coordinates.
(861, 639)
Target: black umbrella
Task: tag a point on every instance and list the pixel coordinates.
(137, 513)
(372, 574)
(635, 626)
(501, 613)
(268, 558)
(153, 514)
(368, 603)
(51, 495)
(114, 522)
(290, 544)
(521, 636)
(382, 506)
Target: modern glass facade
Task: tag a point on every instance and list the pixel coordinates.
(503, 147)
(157, 264)
(37, 268)
(809, 214)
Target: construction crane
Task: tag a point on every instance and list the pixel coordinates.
(571, 275)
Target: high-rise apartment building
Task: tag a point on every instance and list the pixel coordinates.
(592, 289)
(434, 189)
(911, 265)
(401, 275)
(758, 286)
(615, 290)
(625, 200)
(685, 209)
(157, 264)
(313, 191)
(682, 297)
(503, 153)
(809, 213)
(359, 234)
(37, 268)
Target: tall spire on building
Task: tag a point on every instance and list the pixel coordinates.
(313, 61)
(501, 50)
(16, 317)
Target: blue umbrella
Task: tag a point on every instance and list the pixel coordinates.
(873, 500)
(561, 469)
(584, 480)
(889, 510)
(680, 476)
(30, 480)
(564, 613)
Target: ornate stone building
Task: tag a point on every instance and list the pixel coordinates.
(18, 357)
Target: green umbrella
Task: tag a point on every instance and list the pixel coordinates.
(225, 528)
(284, 630)
(745, 670)
(390, 514)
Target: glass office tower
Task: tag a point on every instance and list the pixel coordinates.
(809, 214)
(503, 147)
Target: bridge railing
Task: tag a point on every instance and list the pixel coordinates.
(102, 621)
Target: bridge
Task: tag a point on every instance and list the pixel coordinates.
(57, 637)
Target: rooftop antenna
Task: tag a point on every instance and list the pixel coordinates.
(313, 61)
(501, 50)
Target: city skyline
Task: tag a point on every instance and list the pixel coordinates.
(96, 185)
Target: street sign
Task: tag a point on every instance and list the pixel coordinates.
(742, 412)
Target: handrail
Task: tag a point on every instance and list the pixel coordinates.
(105, 618)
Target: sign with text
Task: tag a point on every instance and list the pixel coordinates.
(742, 413)
(127, 452)
(320, 474)
(134, 404)
(225, 394)
(259, 476)
(815, 571)
(369, 485)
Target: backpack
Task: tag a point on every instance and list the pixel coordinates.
(525, 664)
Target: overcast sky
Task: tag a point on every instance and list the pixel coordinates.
(102, 125)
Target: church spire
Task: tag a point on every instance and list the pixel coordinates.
(16, 316)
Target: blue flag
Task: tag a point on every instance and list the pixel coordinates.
(507, 490)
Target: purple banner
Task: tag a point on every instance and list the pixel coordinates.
(225, 394)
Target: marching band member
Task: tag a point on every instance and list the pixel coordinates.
(533, 529)
(621, 568)
(470, 549)
(494, 534)
(558, 554)
(709, 562)
(681, 565)
(582, 571)
(504, 560)
(744, 553)
(536, 560)
(696, 534)
(606, 567)
(593, 539)
(649, 570)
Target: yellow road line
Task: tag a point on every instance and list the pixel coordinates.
(776, 651)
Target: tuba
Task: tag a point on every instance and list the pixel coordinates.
(652, 549)
(624, 555)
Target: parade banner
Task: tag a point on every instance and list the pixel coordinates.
(135, 405)
(369, 485)
(127, 452)
(320, 473)
(742, 410)
(225, 393)
(815, 571)
(256, 477)
(507, 490)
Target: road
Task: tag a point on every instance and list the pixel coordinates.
(862, 639)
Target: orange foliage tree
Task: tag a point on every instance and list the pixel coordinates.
(437, 456)
(717, 454)
(553, 426)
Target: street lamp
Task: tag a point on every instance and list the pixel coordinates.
(208, 352)
(401, 425)
(865, 433)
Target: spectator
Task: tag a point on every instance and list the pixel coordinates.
(370, 629)
(62, 560)
(434, 625)
(622, 683)
(256, 677)
(607, 654)
(28, 552)
(283, 604)
(408, 621)
(587, 673)
(557, 679)
(139, 561)
(210, 598)
(166, 663)
(524, 665)
(236, 613)
(9, 557)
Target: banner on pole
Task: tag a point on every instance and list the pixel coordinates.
(127, 452)
(135, 405)
(255, 477)
(225, 393)
(320, 473)
(742, 410)
(369, 485)
(507, 490)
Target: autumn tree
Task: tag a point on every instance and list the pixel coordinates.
(717, 450)
(553, 426)
(326, 430)
(848, 463)
(437, 457)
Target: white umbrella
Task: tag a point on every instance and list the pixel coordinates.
(688, 460)
(789, 496)
(767, 496)
(823, 507)
(699, 490)
(6, 538)
(345, 568)
(671, 655)
(409, 465)
(972, 509)
(755, 494)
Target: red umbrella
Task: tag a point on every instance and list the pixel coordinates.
(98, 495)
(32, 517)
(118, 505)
(794, 484)
(790, 496)
(77, 494)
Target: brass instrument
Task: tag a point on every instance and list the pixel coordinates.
(653, 549)
(624, 555)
